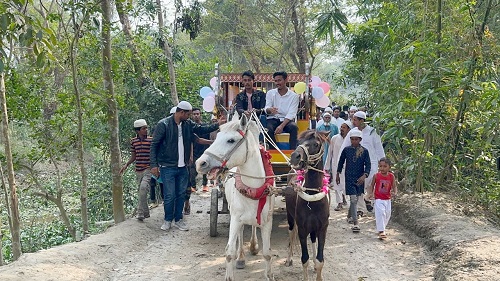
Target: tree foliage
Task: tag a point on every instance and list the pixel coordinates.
(435, 99)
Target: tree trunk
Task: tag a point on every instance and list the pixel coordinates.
(14, 205)
(300, 40)
(117, 181)
(60, 205)
(6, 194)
(168, 53)
(79, 144)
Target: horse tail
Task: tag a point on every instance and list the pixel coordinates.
(294, 242)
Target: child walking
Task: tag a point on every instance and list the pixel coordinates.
(139, 147)
(357, 169)
(383, 186)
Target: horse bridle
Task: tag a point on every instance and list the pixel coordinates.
(312, 160)
(226, 156)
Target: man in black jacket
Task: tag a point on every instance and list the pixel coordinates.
(250, 99)
(169, 157)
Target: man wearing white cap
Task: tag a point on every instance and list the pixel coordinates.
(353, 109)
(332, 163)
(330, 127)
(372, 142)
(357, 169)
(139, 148)
(321, 121)
(170, 155)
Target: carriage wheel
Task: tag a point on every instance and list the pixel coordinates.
(214, 212)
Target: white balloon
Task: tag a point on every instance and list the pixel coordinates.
(208, 103)
(323, 101)
(315, 80)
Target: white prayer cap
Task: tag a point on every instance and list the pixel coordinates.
(360, 114)
(184, 105)
(355, 133)
(349, 124)
(173, 110)
(140, 123)
(353, 108)
(327, 114)
(328, 109)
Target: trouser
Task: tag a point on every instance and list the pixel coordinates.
(353, 208)
(175, 182)
(143, 179)
(368, 181)
(290, 128)
(339, 188)
(192, 180)
(382, 213)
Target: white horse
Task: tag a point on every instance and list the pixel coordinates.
(237, 148)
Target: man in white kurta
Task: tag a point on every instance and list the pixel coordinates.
(332, 161)
(372, 142)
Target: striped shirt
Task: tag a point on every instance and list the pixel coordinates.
(141, 149)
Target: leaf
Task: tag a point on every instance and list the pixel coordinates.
(40, 60)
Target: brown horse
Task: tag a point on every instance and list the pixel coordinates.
(307, 200)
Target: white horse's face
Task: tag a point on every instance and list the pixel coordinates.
(233, 143)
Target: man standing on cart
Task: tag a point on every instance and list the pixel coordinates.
(281, 107)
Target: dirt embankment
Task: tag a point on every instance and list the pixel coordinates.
(428, 239)
(466, 245)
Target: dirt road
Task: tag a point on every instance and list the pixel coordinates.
(141, 251)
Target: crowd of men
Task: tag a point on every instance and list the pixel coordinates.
(180, 139)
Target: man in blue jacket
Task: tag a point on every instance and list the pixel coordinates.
(169, 158)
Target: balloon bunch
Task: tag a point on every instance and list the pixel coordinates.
(208, 95)
(319, 90)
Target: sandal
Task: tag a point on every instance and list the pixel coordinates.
(339, 207)
(382, 236)
(360, 213)
(355, 229)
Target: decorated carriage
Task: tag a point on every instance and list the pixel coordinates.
(228, 85)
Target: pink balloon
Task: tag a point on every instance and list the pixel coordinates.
(213, 82)
(211, 94)
(323, 101)
(208, 103)
(315, 80)
(325, 86)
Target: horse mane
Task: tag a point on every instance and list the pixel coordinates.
(310, 134)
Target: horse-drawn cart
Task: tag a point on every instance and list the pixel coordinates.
(230, 86)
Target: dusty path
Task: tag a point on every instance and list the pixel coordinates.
(141, 251)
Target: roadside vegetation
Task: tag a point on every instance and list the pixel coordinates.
(428, 71)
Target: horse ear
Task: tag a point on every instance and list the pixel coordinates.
(243, 122)
(323, 134)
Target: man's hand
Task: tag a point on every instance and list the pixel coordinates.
(279, 129)
(123, 169)
(155, 171)
(361, 179)
(371, 196)
(222, 119)
(337, 178)
(272, 110)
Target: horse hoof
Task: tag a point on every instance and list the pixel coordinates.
(240, 264)
(289, 263)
